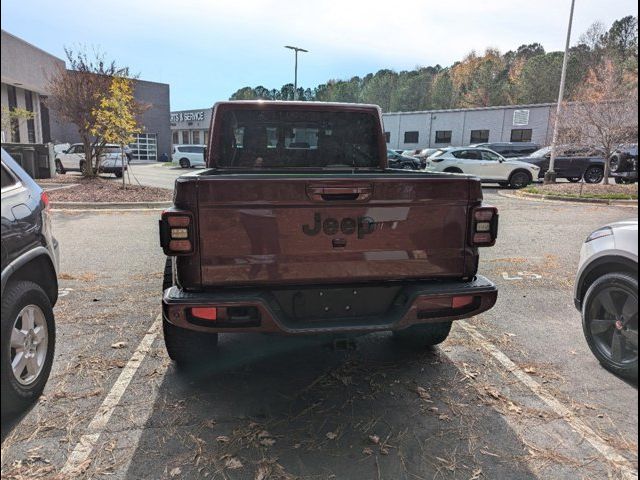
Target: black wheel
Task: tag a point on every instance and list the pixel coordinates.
(594, 174)
(519, 179)
(420, 336)
(167, 278)
(28, 343)
(452, 170)
(188, 348)
(184, 163)
(118, 174)
(82, 164)
(574, 179)
(610, 322)
(406, 166)
(59, 168)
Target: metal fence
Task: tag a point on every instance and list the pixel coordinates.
(38, 160)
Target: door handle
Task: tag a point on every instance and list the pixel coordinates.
(332, 193)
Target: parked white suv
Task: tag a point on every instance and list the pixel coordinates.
(606, 293)
(111, 159)
(490, 166)
(188, 155)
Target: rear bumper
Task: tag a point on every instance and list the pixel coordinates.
(415, 303)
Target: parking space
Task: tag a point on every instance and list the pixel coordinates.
(513, 393)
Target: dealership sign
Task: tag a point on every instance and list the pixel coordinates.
(187, 116)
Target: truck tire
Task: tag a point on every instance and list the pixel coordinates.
(188, 348)
(167, 276)
(420, 336)
(24, 301)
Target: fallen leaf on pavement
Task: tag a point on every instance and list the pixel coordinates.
(374, 439)
(119, 345)
(331, 435)
(222, 439)
(367, 451)
(232, 463)
(175, 472)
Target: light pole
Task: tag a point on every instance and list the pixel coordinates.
(295, 81)
(550, 176)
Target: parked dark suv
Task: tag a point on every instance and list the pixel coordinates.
(573, 162)
(29, 288)
(510, 149)
(624, 164)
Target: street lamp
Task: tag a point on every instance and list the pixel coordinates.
(550, 176)
(295, 82)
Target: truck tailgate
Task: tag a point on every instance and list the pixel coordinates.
(281, 229)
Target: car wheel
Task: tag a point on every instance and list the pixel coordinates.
(574, 179)
(59, 168)
(420, 336)
(406, 166)
(188, 348)
(184, 163)
(610, 322)
(594, 175)
(519, 179)
(28, 342)
(82, 164)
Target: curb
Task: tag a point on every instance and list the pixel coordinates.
(109, 205)
(601, 201)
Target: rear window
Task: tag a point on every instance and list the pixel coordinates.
(298, 139)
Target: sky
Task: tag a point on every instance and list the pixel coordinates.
(206, 50)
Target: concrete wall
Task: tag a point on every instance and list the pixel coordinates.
(25, 64)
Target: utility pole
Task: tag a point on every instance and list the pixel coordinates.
(550, 176)
(295, 81)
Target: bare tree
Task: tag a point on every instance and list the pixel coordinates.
(76, 93)
(605, 113)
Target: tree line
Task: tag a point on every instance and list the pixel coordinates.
(526, 75)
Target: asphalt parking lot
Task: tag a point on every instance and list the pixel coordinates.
(513, 393)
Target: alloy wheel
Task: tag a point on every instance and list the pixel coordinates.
(613, 323)
(593, 175)
(29, 344)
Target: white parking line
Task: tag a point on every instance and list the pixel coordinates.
(626, 469)
(88, 441)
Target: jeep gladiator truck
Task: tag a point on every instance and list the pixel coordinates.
(298, 226)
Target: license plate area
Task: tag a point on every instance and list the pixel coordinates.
(337, 303)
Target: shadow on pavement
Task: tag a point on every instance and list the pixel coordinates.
(275, 405)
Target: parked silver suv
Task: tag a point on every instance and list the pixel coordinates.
(606, 292)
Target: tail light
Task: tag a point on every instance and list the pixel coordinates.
(484, 226)
(177, 232)
(45, 200)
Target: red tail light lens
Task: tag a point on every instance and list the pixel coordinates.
(205, 313)
(484, 226)
(45, 200)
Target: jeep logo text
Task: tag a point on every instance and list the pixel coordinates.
(331, 226)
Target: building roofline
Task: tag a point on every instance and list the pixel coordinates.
(33, 46)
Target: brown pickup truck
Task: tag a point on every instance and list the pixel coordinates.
(298, 226)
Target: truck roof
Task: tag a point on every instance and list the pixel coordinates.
(314, 105)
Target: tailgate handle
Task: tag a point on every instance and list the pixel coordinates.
(327, 193)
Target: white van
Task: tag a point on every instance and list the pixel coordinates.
(188, 155)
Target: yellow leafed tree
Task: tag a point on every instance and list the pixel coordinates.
(115, 117)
